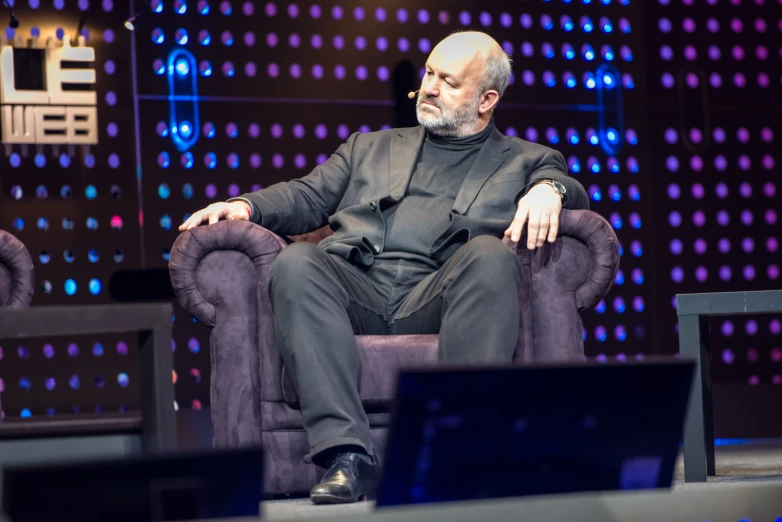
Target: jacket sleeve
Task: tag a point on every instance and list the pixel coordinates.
(302, 205)
(552, 165)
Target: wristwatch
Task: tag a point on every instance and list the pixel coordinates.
(556, 185)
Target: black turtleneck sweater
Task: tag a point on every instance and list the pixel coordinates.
(442, 165)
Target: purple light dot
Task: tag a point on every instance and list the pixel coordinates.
(343, 132)
(743, 135)
(276, 130)
(211, 191)
(715, 80)
(667, 80)
(672, 163)
(771, 216)
(360, 43)
(700, 246)
(315, 11)
(527, 49)
(727, 328)
(336, 12)
(358, 13)
(720, 163)
(753, 380)
(278, 161)
(696, 136)
(272, 40)
(714, 52)
(689, 25)
(773, 273)
(339, 72)
(485, 19)
(294, 40)
(249, 39)
(745, 189)
(752, 355)
(690, 53)
(744, 162)
(696, 163)
(761, 52)
(712, 25)
(699, 218)
(727, 356)
(749, 272)
(673, 191)
(506, 20)
(233, 190)
(255, 160)
(671, 136)
(747, 245)
(248, 8)
(763, 80)
(724, 245)
(736, 25)
(768, 162)
(772, 244)
(675, 219)
(380, 14)
(719, 135)
(444, 17)
(676, 247)
(361, 72)
(317, 71)
(401, 15)
(776, 354)
(697, 191)
(738, 52)
(273, 70)
(254, 130)
(423, 16)
(701, 274)
(767, 134)
(760, 25)
(381, 43)
(321, 159)
(769, 189)
(298, 131)
(295, 70)
(739, 80)
(300, 161)
(692, 80)
(316, 41)
(108, 36)
(250, 69)
(339, 42)
(677, 274)
(725, 273)
(722, 218)
(528, 77)
(383, 73)
(321, 131)
(424, 46)
(109, 67)
(721, 190)
(465, 18)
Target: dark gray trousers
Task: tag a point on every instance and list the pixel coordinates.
(321, 301)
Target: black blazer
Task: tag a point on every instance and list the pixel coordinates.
(373, 169)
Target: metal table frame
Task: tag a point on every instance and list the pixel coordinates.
(152, 322)
(694, 311)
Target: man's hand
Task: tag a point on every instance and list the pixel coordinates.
(540, 208)
(233, 211)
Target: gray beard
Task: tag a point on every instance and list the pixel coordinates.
(457, 123)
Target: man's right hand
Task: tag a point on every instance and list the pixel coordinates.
(233, 211)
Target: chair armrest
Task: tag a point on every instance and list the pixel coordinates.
(258, 244)
(598, 235)
(17, 273)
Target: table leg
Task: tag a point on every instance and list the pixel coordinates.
(158, 418)
(708, 407)
(695, 468)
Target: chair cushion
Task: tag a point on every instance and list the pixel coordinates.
(381, 356)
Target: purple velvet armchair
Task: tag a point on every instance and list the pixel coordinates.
(220, 274)
(17, 276)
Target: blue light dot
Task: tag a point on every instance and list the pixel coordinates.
(571, 83)
(182, 66)
(181, 8)
(25, 413)
(620, 277)
(95, 286)
(97, 350)
(65, 160)
(204, 9)
(590, 83)
(40, 161)
(93, 255)
(165, 222)
(209, 130)
(601, 307)
(163, 191)
(576, 168)
(187, 160)
(185, 129)
(70, 286)
(593, 140)
(210, 160)
(597, 195)
(90, 192)
(187, 189)
(15, 160)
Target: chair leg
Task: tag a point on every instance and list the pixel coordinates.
(695, 467)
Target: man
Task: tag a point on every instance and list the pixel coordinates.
(418, 216)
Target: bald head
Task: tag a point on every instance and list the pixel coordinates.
(481, 57)
(466, 74)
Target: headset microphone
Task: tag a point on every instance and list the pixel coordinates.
(412, 94)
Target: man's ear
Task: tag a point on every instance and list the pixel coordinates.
(488, 101)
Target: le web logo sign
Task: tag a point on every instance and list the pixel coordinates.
(46, 94)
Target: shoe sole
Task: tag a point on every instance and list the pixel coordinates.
(331, 499)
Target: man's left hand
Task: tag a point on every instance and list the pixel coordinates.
(539, 208)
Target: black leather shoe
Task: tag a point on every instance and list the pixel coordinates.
(351, 477)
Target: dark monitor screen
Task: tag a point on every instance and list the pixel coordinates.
(467, 433)
(186, 486)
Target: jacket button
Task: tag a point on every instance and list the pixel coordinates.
(372, 206)
(378, 249)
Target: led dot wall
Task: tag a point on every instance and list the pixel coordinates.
(715, 71)
(239, 95)
(76, 209)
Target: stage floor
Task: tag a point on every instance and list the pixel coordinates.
(751, 462)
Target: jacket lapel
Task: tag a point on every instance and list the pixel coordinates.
(491, 156)
(405, 147)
